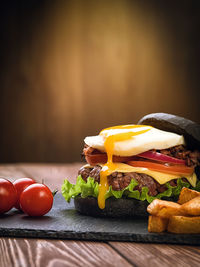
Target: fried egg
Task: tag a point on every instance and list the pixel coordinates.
(151, 139)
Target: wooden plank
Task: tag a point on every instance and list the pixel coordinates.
(38, 253)
(158, 254)
(11, 171)
(53, 175)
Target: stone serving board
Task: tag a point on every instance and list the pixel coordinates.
(63, 222)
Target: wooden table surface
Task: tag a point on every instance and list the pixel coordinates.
(41, 252)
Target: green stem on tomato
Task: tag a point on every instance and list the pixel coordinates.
(54, 192)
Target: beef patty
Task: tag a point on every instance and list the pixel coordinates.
(119, 180)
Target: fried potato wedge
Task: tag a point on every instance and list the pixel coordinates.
(192, 207)
(187, 194)
(184, 225)
(164, 209)
(157, 224)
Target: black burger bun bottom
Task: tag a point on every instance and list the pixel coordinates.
(175, 124)
(115, 208)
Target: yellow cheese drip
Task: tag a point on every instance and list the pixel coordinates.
(109, 167)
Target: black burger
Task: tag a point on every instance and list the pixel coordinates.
(128, 166)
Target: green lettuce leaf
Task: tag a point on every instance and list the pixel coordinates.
(91, 188)
(197, 187)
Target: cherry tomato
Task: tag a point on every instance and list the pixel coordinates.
(8, 195)
(20, 185)
(36, 200)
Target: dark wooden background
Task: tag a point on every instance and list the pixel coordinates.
(70, 68)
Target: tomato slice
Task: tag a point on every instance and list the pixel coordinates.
(166, 168)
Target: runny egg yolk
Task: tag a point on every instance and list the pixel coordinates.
(109, 167)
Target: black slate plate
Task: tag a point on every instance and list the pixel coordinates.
(63, 222)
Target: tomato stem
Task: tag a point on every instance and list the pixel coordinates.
(54, 192)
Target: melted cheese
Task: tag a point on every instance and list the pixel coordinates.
(160, 177)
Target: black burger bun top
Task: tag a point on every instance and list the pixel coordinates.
(179, 125)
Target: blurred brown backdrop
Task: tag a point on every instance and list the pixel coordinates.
(71, 68)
